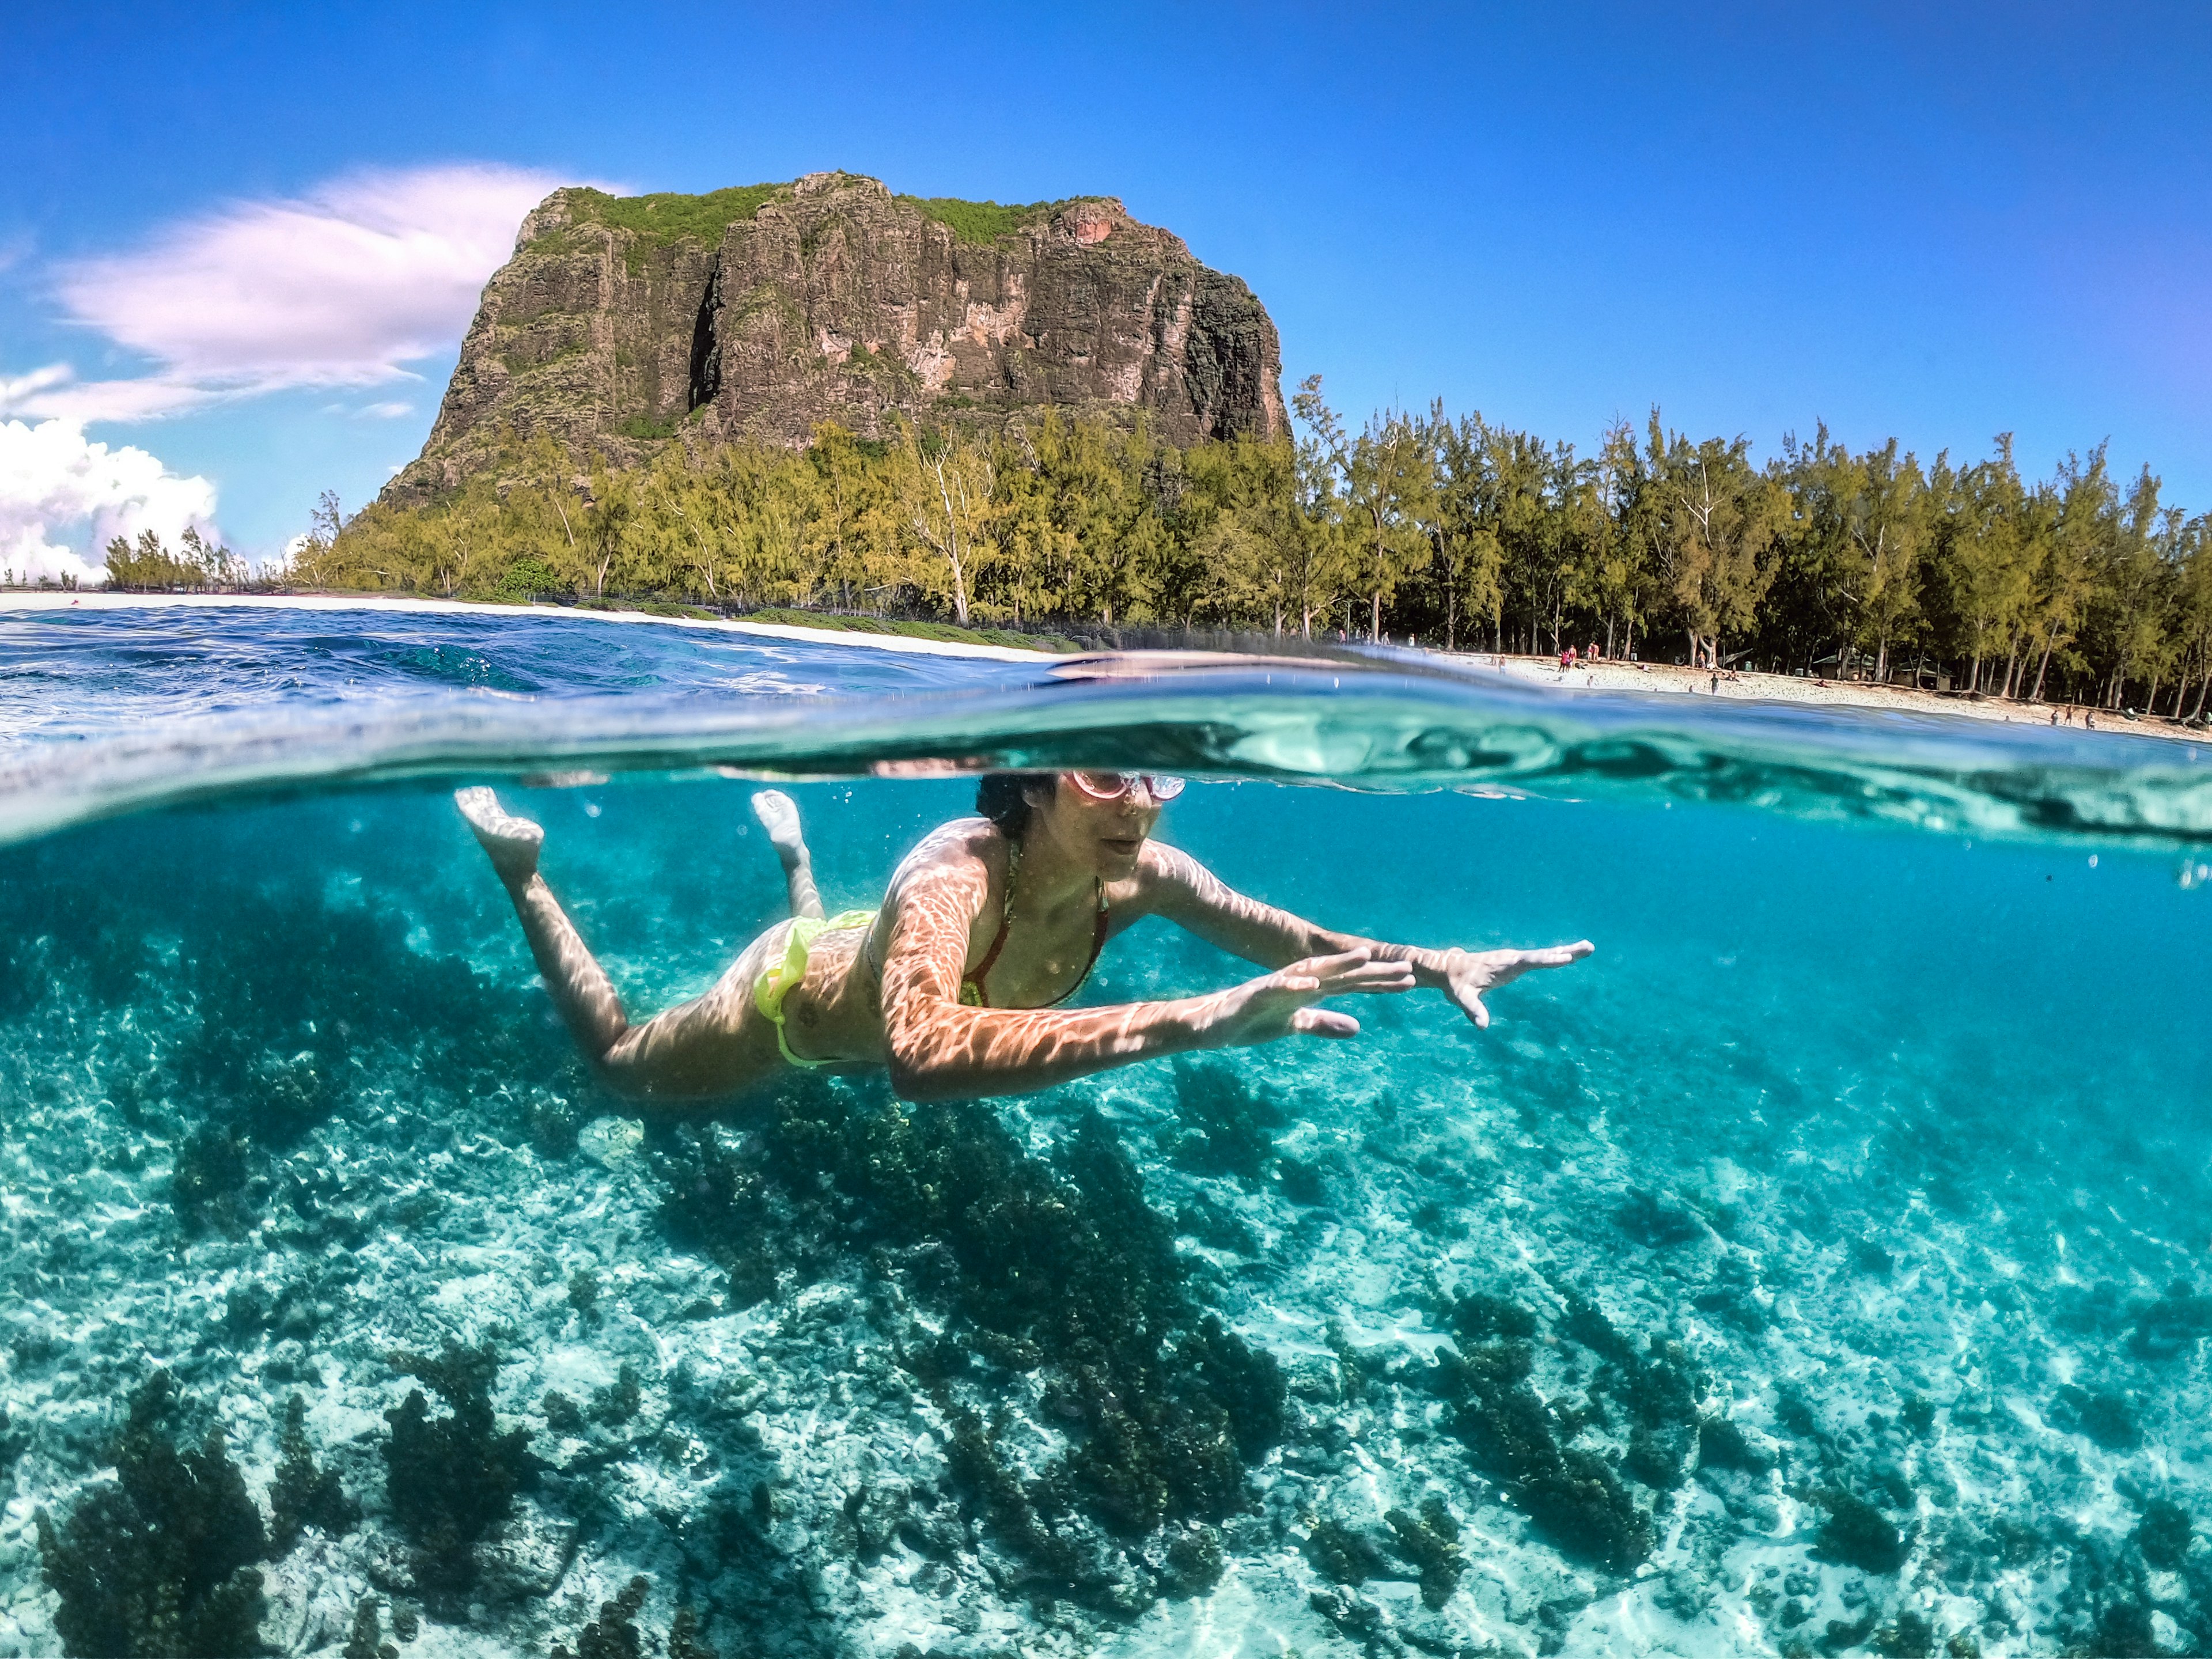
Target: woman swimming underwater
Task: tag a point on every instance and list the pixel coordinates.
(988, 925)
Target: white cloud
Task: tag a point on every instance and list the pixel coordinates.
(385, 411)
(54, 392)
(339, 288)
(56, 485)
(24, 387)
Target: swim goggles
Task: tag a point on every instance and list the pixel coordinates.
(1112, 786)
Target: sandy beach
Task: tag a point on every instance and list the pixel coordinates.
(1667, 680)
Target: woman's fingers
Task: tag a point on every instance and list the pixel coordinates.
(1324, 966)
(1324, 1023)
(1504, 966)
(1377, 977)
(1351, 971)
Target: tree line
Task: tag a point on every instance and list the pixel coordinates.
(196, 564)
(1458, 533)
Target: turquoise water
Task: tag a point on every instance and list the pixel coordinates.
(1821, 1267)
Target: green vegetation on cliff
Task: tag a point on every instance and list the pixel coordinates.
(666, 217)
(981, 223)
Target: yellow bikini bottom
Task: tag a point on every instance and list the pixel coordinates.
(778, 978)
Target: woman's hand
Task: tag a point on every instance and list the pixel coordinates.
(1468, 974)
(1280, 1003)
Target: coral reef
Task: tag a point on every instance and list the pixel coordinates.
(1341, 1554)
(614, 1634)
(618, 1402)
(1572, 1493)
(1064, 1272)
(2173, 1326)
(365, 1640)
(2164, 1533)
(1223, 1127)
(1860, 1535)
(302, 1494)
(451, 1479)
(208, 1186)
(160, 1561)
(1429, 1542)
(563, 1415)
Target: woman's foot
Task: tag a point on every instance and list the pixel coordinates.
(512, 842)
(779, 816)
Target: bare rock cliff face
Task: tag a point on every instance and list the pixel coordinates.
(625, 323)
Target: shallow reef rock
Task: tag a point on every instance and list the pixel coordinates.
(758, 312)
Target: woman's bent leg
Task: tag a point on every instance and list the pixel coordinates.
(580, 988)
(779, 816)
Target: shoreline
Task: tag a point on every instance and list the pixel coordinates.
(1650, 679)
(1668, 679)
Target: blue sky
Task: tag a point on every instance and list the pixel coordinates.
(1757, 217)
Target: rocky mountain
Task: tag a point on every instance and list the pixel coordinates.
(624, 322)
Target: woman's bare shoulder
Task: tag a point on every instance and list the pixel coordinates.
(963, 849)
(957, 840)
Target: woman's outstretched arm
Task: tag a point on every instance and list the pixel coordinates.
(1175, 886)
(942, 1049)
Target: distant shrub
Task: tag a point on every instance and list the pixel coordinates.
(903, 627)
(526, 578)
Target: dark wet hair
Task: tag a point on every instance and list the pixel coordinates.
(1002, 797)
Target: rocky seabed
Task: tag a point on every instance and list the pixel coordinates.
(1816, 1409)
